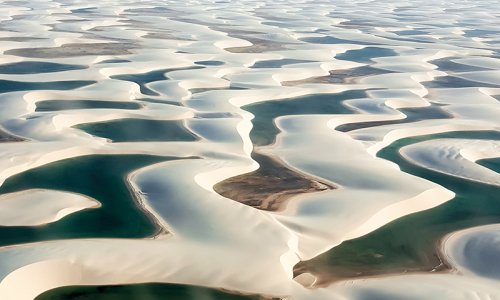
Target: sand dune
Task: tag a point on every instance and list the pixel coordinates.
(39, 207)
(191, 62)
(456, 157)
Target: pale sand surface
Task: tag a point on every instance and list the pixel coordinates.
(271, 186)
(39, 207)
(256, 250)
(456, 157)
(6, 137)
(475, 251)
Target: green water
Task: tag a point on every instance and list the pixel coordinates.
(14, 86)
(160, 101)
(230, 88)
(131, 130)
(448, 65)
(412, 115)
(210, 63)
(409, 243)
(454, 82)
(482, 33)
(365, 55)
(331, 40)
(144, 78)
(278, 63)
(34, 67)
(264, 131)
(84, 10)
(150, 291)
(101, 177)
(491, 163)
(114, 61)
(56, 105)
(411, 32)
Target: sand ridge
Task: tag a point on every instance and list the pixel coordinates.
(208, 232)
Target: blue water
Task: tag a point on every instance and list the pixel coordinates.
(149, 291)
(144, 78)
(264, 131)
(277, 63)
(365, 55)
(14, 86)
(410, 243)
(56, 105)
(35, 67)
(332, 40)
(102, 177)
(209, 62)
(135, 130)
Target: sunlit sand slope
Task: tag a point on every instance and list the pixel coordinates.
(208, 87)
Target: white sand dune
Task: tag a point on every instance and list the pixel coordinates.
(483, 62)
(39, 207)
(475, 251)
(456, 157)
(471, 95)
(383, 191)
(211, 45)
(489, 77)
(410, 287)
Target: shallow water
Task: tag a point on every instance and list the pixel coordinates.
(14, 86)
(455, 82)
(73, 50)
(264, 131)
(34, 67)
(143, 79)
(490, 163)
(57, 105)
(410, 243)
(102, 177)
(412, 115)
(332, 40)
(448, 65)
(209, 62)
(134, 130)
(140, 43)
(365, 55)
(114, 61)
(150, 291)
(230, 88)
(278, 63)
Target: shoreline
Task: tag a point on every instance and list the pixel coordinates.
(77, 202)
(322, 280)
(445, 264)
(143, 207)
(272, 186)
(222, 210)
(142, 203)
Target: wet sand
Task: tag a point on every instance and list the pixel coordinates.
(73, 50)
(269, 187)
(412, 244)
(348, 76)
(259, 46)
(330, 272)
